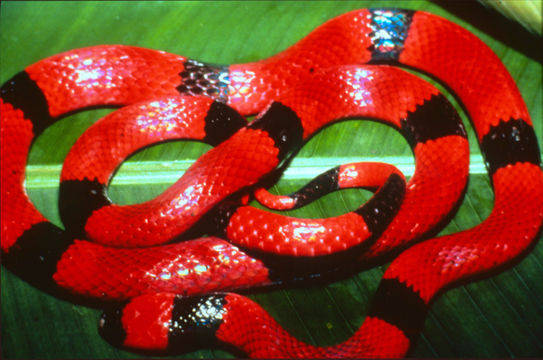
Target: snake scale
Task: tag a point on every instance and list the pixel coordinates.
(338, 71)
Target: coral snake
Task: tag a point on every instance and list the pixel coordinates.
(175, 293)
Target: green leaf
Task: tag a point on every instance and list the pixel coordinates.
(500, 316)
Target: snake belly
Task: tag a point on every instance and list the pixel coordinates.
(53, 258)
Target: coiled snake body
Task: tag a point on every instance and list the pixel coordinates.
(317, 81)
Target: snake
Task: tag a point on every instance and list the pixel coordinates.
(177, 294)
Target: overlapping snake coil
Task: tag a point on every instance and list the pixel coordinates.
(179, 291)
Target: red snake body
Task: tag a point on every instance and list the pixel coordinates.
(297, 92)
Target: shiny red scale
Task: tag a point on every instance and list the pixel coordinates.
(153, 313)
(219, 172)
(488, 91)
(17, 212)
(297, 237)
(193, 267)
(160, 119)
(305, 78)
(264, 337)
(105, 75)
(369, 175)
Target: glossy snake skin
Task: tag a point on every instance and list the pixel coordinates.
(339, 71)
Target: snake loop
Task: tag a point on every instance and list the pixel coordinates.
(177, 292)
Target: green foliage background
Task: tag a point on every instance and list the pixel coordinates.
(501, 316)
